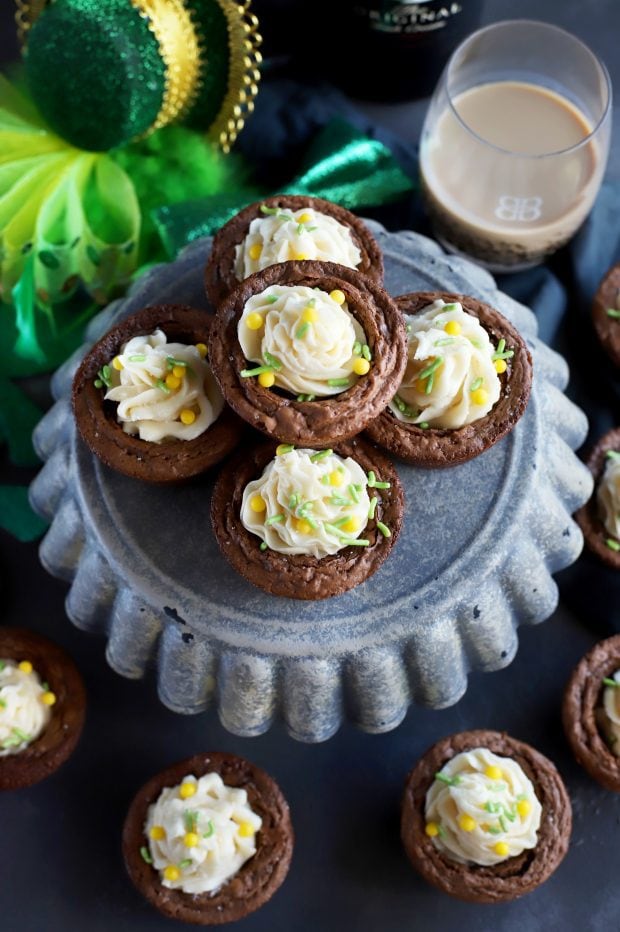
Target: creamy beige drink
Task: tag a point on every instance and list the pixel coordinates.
(509, 170)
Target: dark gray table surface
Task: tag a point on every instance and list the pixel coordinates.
(62, 868)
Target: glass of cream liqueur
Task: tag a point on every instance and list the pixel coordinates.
(514, 144)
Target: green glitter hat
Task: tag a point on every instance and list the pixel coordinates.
(105, 72)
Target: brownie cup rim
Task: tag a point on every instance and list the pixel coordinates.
(593, 529)
(204, 908)
(606, 328)
(43, 756)
(435, 447)
(481, 884)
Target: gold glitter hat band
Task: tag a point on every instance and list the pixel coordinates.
(27, 11)
(179, 47)
(243, 73)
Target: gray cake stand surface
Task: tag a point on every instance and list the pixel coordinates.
(474, 560)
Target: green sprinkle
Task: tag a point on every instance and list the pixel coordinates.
(475, 342)
(275, 519)
(613, 544)
(10, 743)
(476, 384)
(492, 807)
(450, 307)
(185, 863)
(449, 781)
(373, 506)
(371, 479)
(511, 815)
(2, 665)
(313, 524)
(346, 538)
(338, 500)
(501, 346)
(317, 457)
(285, 448)
(384, 529)
(501, 354)
(424, 425)
(494, 830)
(293, 501)
(357, 348)
(263, 546)
(366, 352)
(275, 212)
(502, 822)
(325, 479)
(336, 383)
(175, 362)
(310, 229)
(429, 384)
(139, 358)
(382, 485)
(271, 298)
(403, 407)
(98, 383)
(2, 704)
(341, 521)
(355, 542)
(445, 341)
(612, 312)
(408, 328)
(303, 509)
(272, 361)
(248, 373)
(354, 494)
(521, 797)
(211, 829)
(301, 398)
(300, 229)
(608, 682)
(441, 830)
(105, 377)
(431, 369)
(613, 455)
(162, 385)
(190, 820)
(20, 734)
(302, 331)
(45, 687)
(145, 854)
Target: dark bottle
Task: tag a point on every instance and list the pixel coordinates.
(396, 50)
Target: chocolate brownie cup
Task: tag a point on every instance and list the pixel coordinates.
(606, 314)
(172, 460)
(302, 575)
(369, 347)
(592, 692)
(503, 877)
(41, 683)
(409, 433)
(598, 537)
(292, 220)
(253, 883)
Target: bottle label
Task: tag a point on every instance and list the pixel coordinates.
(404, 17)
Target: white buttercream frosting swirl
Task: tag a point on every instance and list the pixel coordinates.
(450, 379)
(309, 354)
(482, 808)
(147, 406)
(608, 495)
(220, 822)
(284, 234)
(23, 715)
(316, 503)
(608, 716)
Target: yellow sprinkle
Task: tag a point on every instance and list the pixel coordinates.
(157, 833)
(246, 829)
(500, 365)
(266, 379)
(431, 829)
(494, 773)
(48, 698)
(117, 363)
(467, 823)
(361, 366)
(338, 296)
(300, 256)
(191, 839)
(480, 396)
(282, 448)
(254, 321)
(202, 349)
(258, 504)
(310, 315)
(172, 381)
(179, 371)
(25, 666)
(453, 328)
(351, 526)
(172, 873)
(187, 789)
(304, 218)
(523, 808)
(255, 251)
(187, 416)
(302, 526)
(502, 849)
(336, 477)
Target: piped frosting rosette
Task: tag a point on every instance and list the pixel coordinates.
(25, 706)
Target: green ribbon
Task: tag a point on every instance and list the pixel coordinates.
(342, 165)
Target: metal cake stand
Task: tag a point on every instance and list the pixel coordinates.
(474, 560)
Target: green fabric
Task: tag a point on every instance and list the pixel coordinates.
(342, 165)
(18, 418)
(16, 515)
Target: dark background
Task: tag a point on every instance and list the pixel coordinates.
(61, 863)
